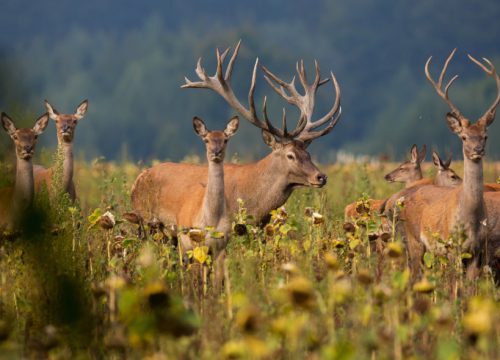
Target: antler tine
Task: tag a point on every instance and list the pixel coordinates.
(307, 137)
(302, 74)
(438, 86)
(270, 127)
(491, 71)
(229, 70)
(333, 110)
(292, 98)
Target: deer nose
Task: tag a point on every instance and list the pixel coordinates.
(65, 128)
(321, 179)
(478, 149)
(219, 152)
(387, 177)
(28, 148)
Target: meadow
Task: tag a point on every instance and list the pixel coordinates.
(76, 285)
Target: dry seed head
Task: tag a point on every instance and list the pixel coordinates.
(317, 218)
(107, 221)
(196, 235)
(349, 227)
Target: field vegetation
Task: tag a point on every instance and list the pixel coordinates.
(80, 282)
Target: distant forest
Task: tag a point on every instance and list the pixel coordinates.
(130, 57)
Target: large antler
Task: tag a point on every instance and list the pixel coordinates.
(438, 86)
(491, 71)
(221, 84)
(305, 102)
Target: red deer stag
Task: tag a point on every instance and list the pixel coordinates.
(440, 210)
(264, 185)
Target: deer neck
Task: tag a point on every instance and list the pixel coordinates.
(471, 203)
(213, 201)
(267, 187)
(24, 186)
(67, 176)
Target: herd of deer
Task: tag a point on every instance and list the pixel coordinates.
(201, 196)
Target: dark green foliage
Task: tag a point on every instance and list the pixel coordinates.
(130, 60)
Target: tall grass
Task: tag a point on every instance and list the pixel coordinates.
(79, 282)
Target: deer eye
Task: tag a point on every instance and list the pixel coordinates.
(225, 141)
(485, 137)
(206, 141)
(14, 137)
(290, 157)
(36, 137)
(464, 138)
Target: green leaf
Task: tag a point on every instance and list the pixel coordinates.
(428, 259)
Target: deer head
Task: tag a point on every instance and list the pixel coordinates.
(445, 175)
(216, 141)
(409, 170)
(473, 136)
(66, 123)
(288, 147)
(25, 139)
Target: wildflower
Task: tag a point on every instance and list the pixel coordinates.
(248, 319)
(290, 268)
(364, 277)
(301, 292)
(394, 250)
(479, 317)
(423, 286)
(157, 294)
(331, 261)
(115, 282)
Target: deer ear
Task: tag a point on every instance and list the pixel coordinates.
(81, 109)
(41, 124)
(454, 123)
(53, 113)
(199, 127)
(232, 126)
(8, 125)
(269, 139)
(421, 154)
(414, 154)
(437, 160)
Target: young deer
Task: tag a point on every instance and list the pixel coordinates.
(212, 211)
(440, 210)
(65, 125)
(408, 172)
(445, 175)
(264, 185)
(14, 201)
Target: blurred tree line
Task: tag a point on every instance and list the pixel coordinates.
(129, 59)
